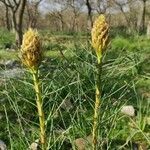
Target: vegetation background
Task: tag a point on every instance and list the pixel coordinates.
(68, 74)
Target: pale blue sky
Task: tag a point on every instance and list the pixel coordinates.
(48, 6)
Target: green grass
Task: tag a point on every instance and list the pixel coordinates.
(13, 55)
(6, 38)
(8, 55)
(71, 77)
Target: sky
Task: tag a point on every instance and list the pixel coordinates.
(46, 7)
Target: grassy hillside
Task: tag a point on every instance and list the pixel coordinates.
(68, 88)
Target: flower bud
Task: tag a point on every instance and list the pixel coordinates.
(31, 52)
(100, 35)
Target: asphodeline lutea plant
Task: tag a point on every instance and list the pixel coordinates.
(31, 56)
(100, 42)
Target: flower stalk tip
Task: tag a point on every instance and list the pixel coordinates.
(31, 52)
(99, 35)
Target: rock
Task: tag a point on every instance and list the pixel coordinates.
(83, 143)
(80, 143)
(34, 145)
(9, 64)
(66, 105)
(11, 73)
(146, 95)
(128, 110)
(2, 145)
(12, 64)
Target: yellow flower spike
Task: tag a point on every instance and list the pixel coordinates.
(31, 56)
(100, 35)
(100, 41)
(31, 52)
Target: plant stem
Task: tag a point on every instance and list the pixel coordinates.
(97, 105)
(40, 108)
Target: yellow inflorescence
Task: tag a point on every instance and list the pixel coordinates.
(100, 35)
(31, 52)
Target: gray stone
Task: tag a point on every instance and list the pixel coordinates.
(34, 145)
(11, 73)
(83, 143)
(12, 64)
(66, 105)
(80, 143)
(128, 110)
(9, 64)
(2, 145)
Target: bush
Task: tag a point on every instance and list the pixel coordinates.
(6, 39)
